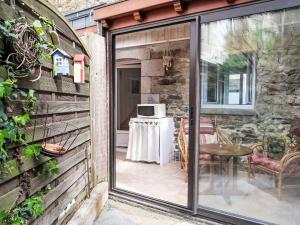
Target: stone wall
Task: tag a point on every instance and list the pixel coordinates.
(172, 87)
(68, 6)
(277, 97)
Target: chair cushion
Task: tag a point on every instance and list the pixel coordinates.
(207, 125)
(266, 162)
(205, 157)
(292, 169)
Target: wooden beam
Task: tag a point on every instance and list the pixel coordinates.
(138, 16)
(157, 12)
(179, 6)
(105, 23)
(126, 7)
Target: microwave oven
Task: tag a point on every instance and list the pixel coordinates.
(151, 110)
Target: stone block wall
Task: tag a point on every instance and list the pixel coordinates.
(68, 6)
(277, 92)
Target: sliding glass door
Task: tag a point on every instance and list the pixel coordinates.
(151, 113)
(206, 114)
(249, 125)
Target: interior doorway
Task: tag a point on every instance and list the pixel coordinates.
(128, 97)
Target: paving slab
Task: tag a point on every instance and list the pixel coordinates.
(120, 213)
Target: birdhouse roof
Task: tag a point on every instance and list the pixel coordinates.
(58, 50)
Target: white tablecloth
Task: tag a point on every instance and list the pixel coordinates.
(151, 140)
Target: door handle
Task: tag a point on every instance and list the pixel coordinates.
(191, 116)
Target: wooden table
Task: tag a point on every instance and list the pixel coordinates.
(225, 152)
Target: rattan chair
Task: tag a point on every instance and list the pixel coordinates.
(206, 160)
(288, 166)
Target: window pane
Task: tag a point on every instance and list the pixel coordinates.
(250, 116)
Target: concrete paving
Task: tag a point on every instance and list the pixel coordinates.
(118, 213)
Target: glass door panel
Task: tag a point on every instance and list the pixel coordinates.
(249, 161)
(152, 112)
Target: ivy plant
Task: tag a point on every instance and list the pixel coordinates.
(30, 208)
(12, 124)
(49, 168)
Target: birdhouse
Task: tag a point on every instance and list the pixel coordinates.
(61, 62)
(79, 63)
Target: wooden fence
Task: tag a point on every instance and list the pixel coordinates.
(67, 102)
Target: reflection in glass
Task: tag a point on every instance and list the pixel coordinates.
(250, 162)
(152, 108)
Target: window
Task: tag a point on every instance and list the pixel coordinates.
(59, 61)
(227, 75)
(229, 84)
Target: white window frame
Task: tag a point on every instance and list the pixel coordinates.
(227, 106)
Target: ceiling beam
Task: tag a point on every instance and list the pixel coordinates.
(138, 16)
(105, 23)
(179, 6)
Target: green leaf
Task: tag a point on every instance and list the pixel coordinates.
(49, 168)
(33, 150)
(2, 90)
(23, 119)
(4, 215)
(38, 27)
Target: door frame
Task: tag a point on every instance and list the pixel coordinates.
(123, 66)
(197, 19)
(112, 77)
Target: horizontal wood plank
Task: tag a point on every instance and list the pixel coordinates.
(64, 185)
(9, 199)
(62, 107)
(6, 11)
(31, 163)
(44, 86)
(14, 170)
(41, 181)
(53, 212)
(56, 128)
(79, 200)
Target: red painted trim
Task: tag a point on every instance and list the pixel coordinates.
(127, 7)
(156, 12)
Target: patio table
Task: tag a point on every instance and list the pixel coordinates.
(225, 152)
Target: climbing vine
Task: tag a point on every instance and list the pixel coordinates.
(26, 47)
(30, 208)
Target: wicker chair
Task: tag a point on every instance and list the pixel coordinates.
(208, 134)
(288, 166)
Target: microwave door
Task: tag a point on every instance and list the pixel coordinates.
(146, 110)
